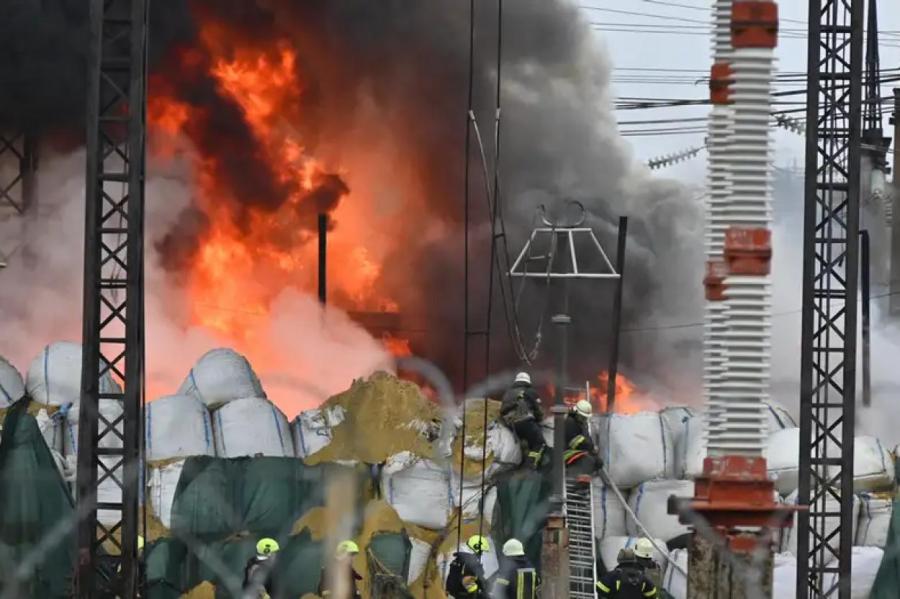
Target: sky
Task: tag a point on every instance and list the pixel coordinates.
(673, 36)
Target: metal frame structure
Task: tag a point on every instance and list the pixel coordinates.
(109, 450)
(21, 145)
(830, 282)
(569, 234)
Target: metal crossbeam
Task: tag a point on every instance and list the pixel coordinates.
(16, 189)
(113, 298)
(830, 279)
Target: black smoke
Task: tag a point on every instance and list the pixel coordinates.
(409, 59)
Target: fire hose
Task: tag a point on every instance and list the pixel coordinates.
(664, 551)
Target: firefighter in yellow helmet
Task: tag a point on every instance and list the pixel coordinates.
(581, 455)
(258, 574)
(342, 571)
(465, 579)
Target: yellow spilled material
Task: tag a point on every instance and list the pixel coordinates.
(204, 590)
(475, 436)
(383, 416)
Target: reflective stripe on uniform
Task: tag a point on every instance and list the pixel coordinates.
(576, 441)
(650, 593)
(520, 579)
(502, 581)
(603, 587)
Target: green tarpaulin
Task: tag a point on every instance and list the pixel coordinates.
(34, 534)
(887, 581)
(216, 497)
(521, 511)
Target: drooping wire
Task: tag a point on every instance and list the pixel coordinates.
(462, 448)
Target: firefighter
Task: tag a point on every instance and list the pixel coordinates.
(580, 455)
(343, 565)
(517, 578)
(627, 580)
(465, 579)
(643, 555)
(521, 412)
(258, 572)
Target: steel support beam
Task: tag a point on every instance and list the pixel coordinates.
(19, 151)
(830, 285)
(108, 560)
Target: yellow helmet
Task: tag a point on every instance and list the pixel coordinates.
(478, 544)
(266, 547)
(347, 548)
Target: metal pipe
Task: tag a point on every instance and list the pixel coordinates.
(323, 257)
(616, 316)
(562, 321)
(865, 274)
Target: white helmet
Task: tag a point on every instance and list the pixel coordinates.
(523, 377)
(643, 548)
(513, 548)
(584, 408)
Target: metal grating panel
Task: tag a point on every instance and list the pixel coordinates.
(113, 297)
(830, 273)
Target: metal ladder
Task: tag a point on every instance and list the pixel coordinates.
(579, 502)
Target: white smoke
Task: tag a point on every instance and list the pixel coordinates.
(302, 354)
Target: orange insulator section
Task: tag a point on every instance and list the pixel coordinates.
(754, 24)
(714, 281)
(720, 80)
(748, 251)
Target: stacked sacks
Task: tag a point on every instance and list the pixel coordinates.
(873, 465)
(875, 512)
(220, 376)
(252, 426)
(54, 377)
(609, 513)
(784, 576)
(674, 578)
(864, 564)
(636, 448)
(312, 429)
(175, 427)
(418, 489)
(649, 502)
(12, 387)
(783, 459)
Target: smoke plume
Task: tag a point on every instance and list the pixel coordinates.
(384, 94)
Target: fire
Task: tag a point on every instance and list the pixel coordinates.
(629, 398)
(252, 248)
(397, 346)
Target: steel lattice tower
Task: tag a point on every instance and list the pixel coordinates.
(830, 278)
(113, 296)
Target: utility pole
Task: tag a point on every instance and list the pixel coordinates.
(894, 288)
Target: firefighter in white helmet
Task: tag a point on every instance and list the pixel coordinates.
(581, 455)
(521, 411)
(516, 576)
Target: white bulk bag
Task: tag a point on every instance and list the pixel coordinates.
(691, 449)
(471, 497)
(418, 559)
(676, 419)
(610, 547)
(221, 375)
(636, 448)
(162, 483)
(789, 535)
(52, 429)
(418, 489)
(110, 409)
(778, 417)
(503, 444)
(609, 513)
(12, 387)
(873, 465)
(313, 429)
(177, 426)
(864, 564)
(783, 459)
(54, 376)
(874, 520)
(251, 426)
(649, 502)
(674, 579)
(784, 576)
